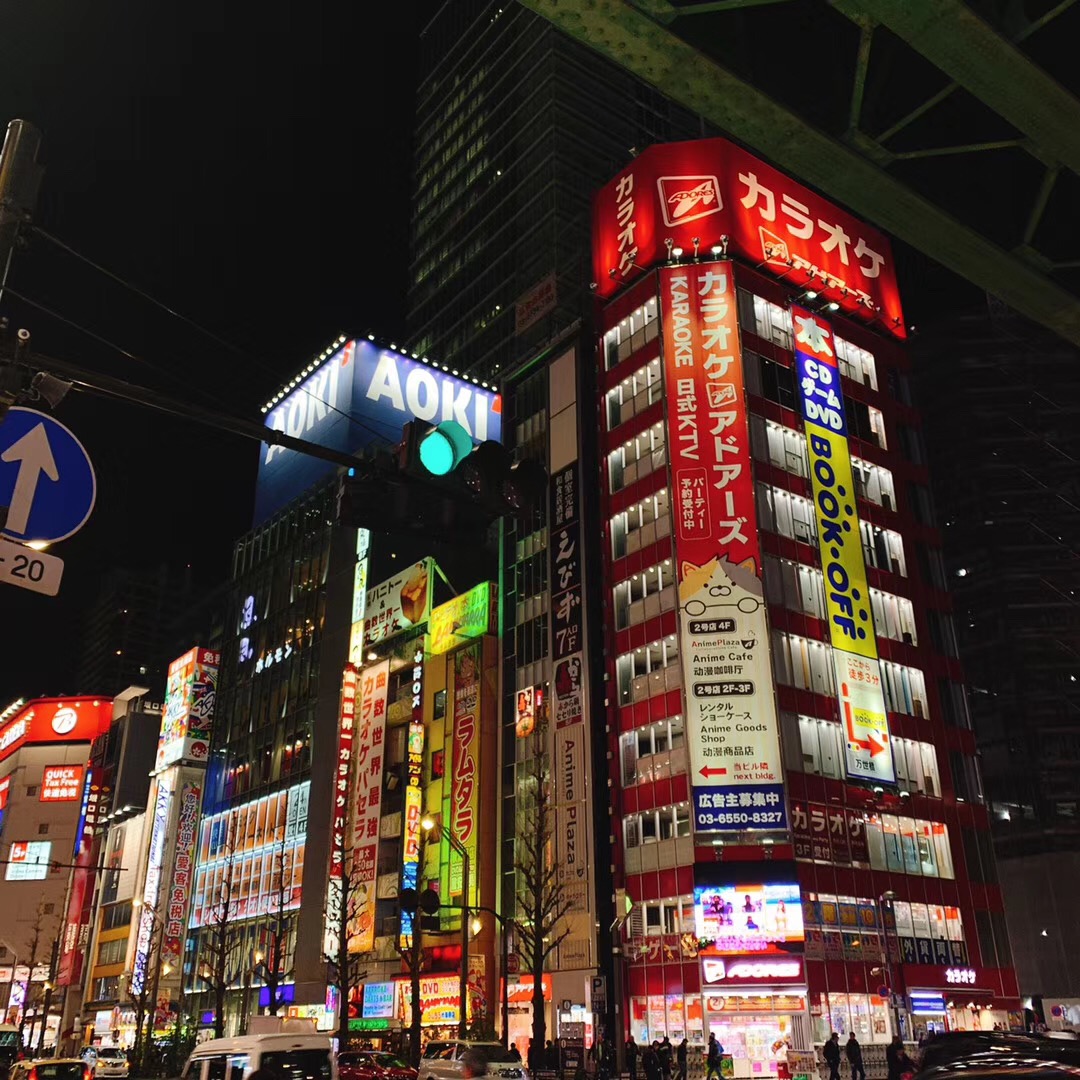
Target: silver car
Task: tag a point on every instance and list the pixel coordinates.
(106, 1061)
(442, 1060)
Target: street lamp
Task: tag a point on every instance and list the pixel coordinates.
(888, 897)
(429, 824)
(504, 963)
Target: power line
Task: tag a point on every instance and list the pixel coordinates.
(139, 292)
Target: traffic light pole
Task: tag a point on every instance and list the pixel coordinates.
(20, 178)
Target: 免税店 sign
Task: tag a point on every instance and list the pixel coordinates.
(710, 193)
(731, 721)
(868, 753)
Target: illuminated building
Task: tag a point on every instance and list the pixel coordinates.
(44, 745)
(516, 125)
(797, 807)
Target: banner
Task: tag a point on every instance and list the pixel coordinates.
(414, 798)
(567, 633)
(178, 888)
(368, 748)
(339, 822)
(468, 616)
(465, 763)
(569, 759)
(731, 720)
(868, 755)
(399, 603)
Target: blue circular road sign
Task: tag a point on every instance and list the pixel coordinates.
(46, 480)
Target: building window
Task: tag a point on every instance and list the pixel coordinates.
(779, 445)
(909, 846)
(894, 617)
(790, 515)
(873, 483)
(800, 662)
(651, 826)
(904, 688)
(953, 703)
(112, 952)
(654, 752)
(43, 829)
(645, 595)
(31, 791)
(793, 585)
(116, 915)
(766, 319)
(633, 333)
(637, 457)
(883, 548)
(648, 671)
(911, 444)
(866, 423)
(770, 380)
(634, 394)
(642, 525)
(857, 364)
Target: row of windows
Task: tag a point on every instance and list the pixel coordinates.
(653, 669)
(807, 665)
(641, 525)
(653, 752)
(664, 823)
(635, 394)
(645, 595)
(633, 333)
(637, 457)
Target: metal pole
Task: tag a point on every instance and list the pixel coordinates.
(20, 178)
(463, 990)
(505, 982)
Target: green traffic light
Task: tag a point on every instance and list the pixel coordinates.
(444, 448)
(437, 453)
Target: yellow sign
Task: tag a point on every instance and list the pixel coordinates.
(847, 594)
(465, 617)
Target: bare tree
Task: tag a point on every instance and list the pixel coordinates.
(543, 900)
(221, 943)
(410, 947)
(143, 999)
(34, 957)
(277, 971)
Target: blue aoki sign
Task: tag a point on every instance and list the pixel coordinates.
(360, 396)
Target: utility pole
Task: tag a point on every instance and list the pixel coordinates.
(20, 178)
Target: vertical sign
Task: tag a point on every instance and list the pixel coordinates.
(570, 751)
(188, 712)
(179, 887)
(359, 598)
(340, 817)
(465, 770)
(567, 639)
(414, 797)
(368, 751)
(152, 886)
(731, 720)
(868, 754)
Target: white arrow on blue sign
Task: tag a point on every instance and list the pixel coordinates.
(46, 479)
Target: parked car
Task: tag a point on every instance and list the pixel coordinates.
(287, 1055)
(50, 1069)
(962, 1055)
(106, 1061)
(442, 1060)
(373, 1065)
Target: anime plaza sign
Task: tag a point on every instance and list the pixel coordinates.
(359, 394)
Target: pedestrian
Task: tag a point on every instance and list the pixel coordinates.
(854, 1056)
(832, 1056)
(897, 1060)
(713, 1056)
(680, 1055)
(650, 1063)
(515, 1053)
(667, 1057)
(631, 1057)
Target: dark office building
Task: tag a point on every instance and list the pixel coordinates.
(126, 629)
(516, 126)
(1002, 402)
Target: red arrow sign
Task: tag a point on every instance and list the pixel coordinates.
(875, 746)
(708, 770)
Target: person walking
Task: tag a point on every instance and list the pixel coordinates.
(667, 1055)
(897, 1060)
(854, 1056)
(650, 1063)
(832, 1056)
(713, 1056)
(680, 1056)
(631, 1057)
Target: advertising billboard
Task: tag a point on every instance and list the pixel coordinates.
(360, 394)
(731, 720)
(178, 888)
(190, 695)
(159, 830)
(380, 1001)
(744, 918)
(868, 753)
(470, 615)
(414, 796)
(710, 193)
(340, 837)
(368, 749)
(55, 720)
(61, 783)
(399, 603)
(465, 763)
(28, 860)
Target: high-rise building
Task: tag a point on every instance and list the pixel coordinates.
(516, 126)
(1002, 402)
(125, 636)
(795, 798)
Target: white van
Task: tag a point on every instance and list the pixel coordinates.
(288, 1055)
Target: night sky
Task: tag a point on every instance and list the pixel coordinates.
(251, 168)
(248, 166)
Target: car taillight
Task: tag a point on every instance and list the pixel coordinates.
(32, 1075)
(87, 1073)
